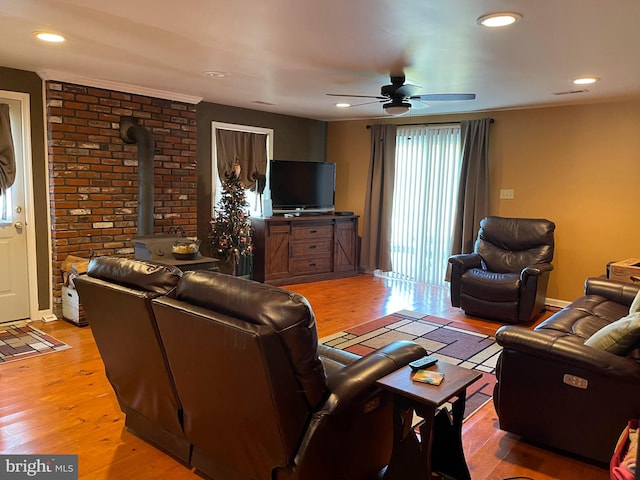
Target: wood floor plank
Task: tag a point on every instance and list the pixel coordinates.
(63, 403)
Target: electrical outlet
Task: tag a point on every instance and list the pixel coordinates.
(506, 194)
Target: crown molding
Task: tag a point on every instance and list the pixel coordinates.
(66, 77)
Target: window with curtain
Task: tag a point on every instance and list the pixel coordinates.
(251, 148)
(428, 162)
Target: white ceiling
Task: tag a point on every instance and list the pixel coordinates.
(290, 53)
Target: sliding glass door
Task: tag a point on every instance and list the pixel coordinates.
(428, 162)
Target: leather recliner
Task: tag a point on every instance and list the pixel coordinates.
(506, 276)
(116, 294)
(262, 400)
(553, 390)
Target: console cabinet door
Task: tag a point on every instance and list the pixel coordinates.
(277, 251)
(345, 253)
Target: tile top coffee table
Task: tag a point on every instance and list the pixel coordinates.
(439, 448)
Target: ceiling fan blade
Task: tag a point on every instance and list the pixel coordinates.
(357, 96)
(367, 103)
(408, 90)
(444, 97)
(418, 104)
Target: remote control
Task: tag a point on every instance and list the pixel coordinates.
(423, 362)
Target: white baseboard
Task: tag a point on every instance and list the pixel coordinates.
(553, 302)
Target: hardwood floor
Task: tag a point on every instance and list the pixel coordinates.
(62, 402)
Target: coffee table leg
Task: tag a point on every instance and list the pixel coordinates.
(447, 450)
(439, 448)
(410, 457)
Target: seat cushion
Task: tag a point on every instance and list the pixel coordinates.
(491, 286)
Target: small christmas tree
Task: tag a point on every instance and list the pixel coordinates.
(230, 228)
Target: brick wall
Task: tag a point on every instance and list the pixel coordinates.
(93, 172)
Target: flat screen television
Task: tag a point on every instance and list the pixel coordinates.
(303, 187)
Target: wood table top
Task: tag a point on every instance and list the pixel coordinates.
(455, 380)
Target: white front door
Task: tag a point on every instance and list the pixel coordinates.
(14, 271)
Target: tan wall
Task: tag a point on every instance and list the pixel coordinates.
(578, 166)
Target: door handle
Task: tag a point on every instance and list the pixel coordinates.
(19, 226)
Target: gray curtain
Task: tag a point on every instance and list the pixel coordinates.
(473, 193)
(7, 156)
(375, 251)
(247, 149)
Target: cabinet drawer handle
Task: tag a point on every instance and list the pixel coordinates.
(312, 264)
(312, 246)
(313, 231)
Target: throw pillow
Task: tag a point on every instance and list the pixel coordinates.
(619, 337)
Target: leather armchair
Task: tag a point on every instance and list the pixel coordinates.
(553, 390)
(261, 399)
(506, 276)
(116, 294)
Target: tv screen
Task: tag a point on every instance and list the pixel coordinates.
(297, 185)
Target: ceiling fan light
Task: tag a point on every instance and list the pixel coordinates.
(396, 108)
(496, 20)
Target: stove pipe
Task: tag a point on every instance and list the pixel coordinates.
(131, 132)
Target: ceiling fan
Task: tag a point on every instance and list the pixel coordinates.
(398, 96)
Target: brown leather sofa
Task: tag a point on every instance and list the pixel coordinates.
(116, 295)
(506, 277)
(554, 390)
(243, 378)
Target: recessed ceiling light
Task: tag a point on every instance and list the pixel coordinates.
(494, 20)
(215, 74)
(49, 37)
(343, 105)
(585, 80)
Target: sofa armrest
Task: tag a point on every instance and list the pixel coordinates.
(557, 348)
(536, 270)
(465, 261)
(356, 379)
(334, 359)
(337, 355)
(359, 377)
(614, 290)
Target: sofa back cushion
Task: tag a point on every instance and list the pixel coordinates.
(287, 313)
(135, 274)
(511, 244)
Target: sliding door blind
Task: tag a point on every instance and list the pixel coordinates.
(428, 162)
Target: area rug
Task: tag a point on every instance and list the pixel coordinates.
(439, 337)
(19, 340)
